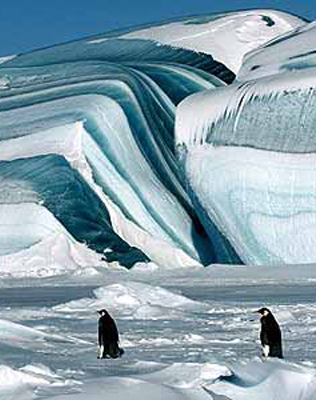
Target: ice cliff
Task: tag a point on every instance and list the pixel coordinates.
(92, 168)
(248, 152)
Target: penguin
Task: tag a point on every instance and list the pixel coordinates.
(270, 334)
(108, 337)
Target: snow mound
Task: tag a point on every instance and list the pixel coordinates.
(133, 389)
(11, 377)
(24, 382)
(135, 300)
(187, 375)
(19, 335)
(273, 380)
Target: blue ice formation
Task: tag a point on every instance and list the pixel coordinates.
(87, 145)
(249, 157)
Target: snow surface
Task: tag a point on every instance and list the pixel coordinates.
(6, 58)
(227, 37)
(291, 51)
(190, 335)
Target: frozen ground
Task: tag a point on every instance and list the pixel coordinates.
(186, 335)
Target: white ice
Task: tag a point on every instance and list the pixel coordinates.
(135, 300)
(227, 38)
(293, 50)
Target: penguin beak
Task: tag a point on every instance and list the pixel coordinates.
(254, 316)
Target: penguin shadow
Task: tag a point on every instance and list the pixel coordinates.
(216, 396)
(112, 355)
(236, 380)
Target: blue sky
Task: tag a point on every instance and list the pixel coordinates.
(29, 24)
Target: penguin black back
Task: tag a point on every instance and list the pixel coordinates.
(270, 334)
(108, 336)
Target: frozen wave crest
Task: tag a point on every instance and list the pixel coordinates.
(87, 134)
(102, 157)
(248, 155)
(272, 113)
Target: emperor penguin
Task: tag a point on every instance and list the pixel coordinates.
(270, 334)
(108, 337)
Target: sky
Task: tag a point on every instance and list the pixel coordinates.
(26, 25)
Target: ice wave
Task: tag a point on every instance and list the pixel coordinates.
(249, 161)
(239, 31)
(112, 171)
(87, 134)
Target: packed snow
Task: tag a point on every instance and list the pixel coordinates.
(241, 32)
(292, 51)
(192, 335)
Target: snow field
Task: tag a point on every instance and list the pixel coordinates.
(178, 342)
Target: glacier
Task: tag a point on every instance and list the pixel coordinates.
(88, 155)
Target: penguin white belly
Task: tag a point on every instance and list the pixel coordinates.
(101, 351)
(266, 350)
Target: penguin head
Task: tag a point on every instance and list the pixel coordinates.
(264, 311)
(103, 312)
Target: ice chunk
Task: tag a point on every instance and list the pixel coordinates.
(131, 189)
(135, 300)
